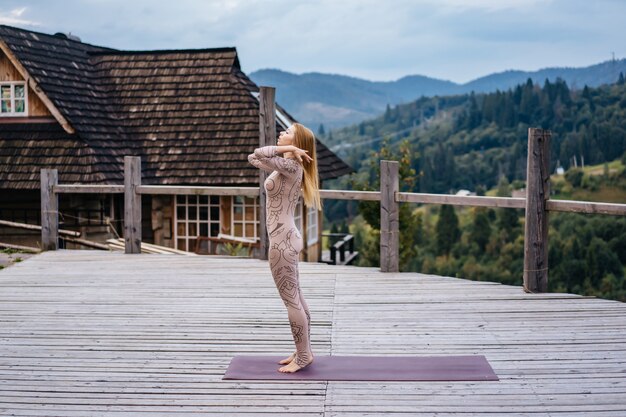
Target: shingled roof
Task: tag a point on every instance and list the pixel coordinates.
(191, 115)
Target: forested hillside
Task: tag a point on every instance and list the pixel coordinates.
(478, 142)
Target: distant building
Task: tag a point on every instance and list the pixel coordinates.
(521, 193)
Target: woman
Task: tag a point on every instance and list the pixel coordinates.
(293, 173)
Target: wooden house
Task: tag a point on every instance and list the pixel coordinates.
(191, 115)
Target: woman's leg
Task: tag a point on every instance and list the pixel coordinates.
(284, 267)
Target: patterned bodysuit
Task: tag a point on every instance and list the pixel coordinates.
(283, 192)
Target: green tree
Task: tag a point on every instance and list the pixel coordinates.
(574, 176)
(410, 225)
(507, 218)
(481, 228)
(321, 131)
(448, 232)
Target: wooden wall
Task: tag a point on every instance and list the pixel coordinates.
(8, 72)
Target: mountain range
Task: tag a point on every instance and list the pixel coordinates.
(338, 100)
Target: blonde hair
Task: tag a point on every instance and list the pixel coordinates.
(305, 140)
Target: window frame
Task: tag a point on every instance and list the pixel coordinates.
(244, 222)
(12, 99)
(209, 221)
(312, 226)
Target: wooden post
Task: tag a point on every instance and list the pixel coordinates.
(132, 204)
(49, 210)
(536, 226)
(267, 136)
(389, 217)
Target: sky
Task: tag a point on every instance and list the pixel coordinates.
(379, 40)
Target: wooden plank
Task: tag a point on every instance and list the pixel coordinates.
(49, 210)
(350, 195)
(36, 227)
(86, 333)
(197, 190)
(267, 137)
(536, 224)
(389, 217)
(88, 189)
(459, 200)
(586, 207)
(20, 247)
(132, 204)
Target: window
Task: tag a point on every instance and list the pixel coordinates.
(245, 217)
(195, 216)
(13, 99)
(311, 225)
(297, 216)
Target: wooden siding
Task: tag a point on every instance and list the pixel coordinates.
(89, 333)
(8, 72)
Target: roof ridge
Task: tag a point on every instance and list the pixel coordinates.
(162, 51)
(53, 36)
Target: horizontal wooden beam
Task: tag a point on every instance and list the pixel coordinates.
(36, 227)
(461, 200)
(350, 195)
(88, 189)
(587, 207)
(197, 190)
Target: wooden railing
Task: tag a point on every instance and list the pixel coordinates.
(343, 246)
(537, 203)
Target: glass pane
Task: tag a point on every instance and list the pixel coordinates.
(238, 212)
(192, 199)
(181, 229)
(19, 91)
(191, 245)
(182, 244)
(204, 229)
(250, 229)
(249, 200)
(215, 199)
(192, 213)
(203, 199)
(215, 213)
(6, 106)
(181, 213)
(250, 213)
(193, 229)
(180, 199)
(215, 229)
(204, 213)
(6, 91)
(238, 229)
(19, 106)
(238, 199)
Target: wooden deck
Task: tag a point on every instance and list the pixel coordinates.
(87, 333)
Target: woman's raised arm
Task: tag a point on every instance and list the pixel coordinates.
(267, 158)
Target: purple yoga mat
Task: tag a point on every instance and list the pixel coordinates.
(367, 368)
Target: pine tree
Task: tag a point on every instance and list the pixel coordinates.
(321, 131)
(481, 229)
(620, 80)
(447, 229)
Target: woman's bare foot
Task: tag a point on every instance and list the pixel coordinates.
(288, 360)
(294, 367)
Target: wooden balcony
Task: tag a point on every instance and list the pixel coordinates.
(92, 333)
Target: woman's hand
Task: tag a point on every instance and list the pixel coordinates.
(301, 153)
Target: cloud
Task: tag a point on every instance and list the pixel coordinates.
(13, 17)
(486, 5)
